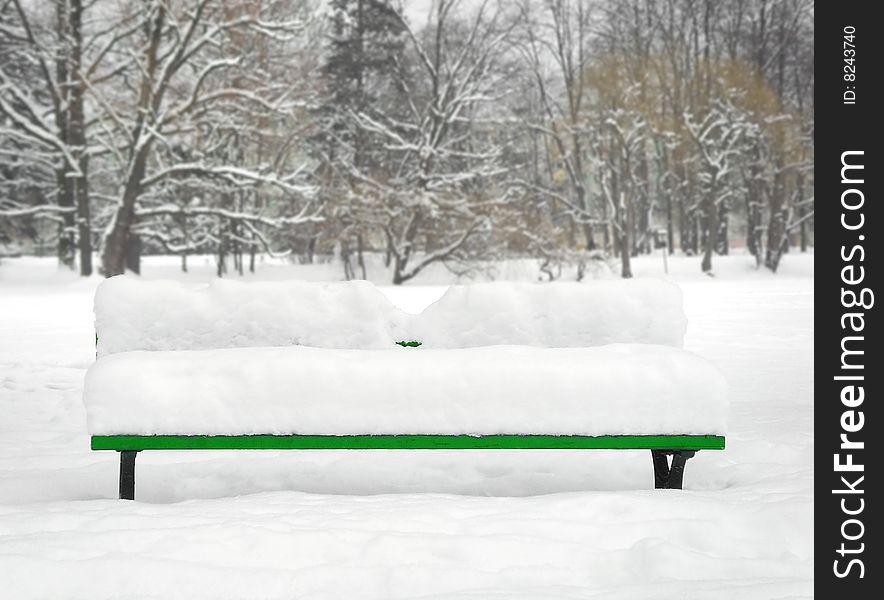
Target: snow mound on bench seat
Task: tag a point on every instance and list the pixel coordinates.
(617, 389)
(131, 314)
(556, 315)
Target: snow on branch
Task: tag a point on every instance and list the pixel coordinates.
(238, 176)
(43, 210)
(307, 214)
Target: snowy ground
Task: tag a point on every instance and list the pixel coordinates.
(427, 525)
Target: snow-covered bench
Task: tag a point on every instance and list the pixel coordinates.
(297, 365)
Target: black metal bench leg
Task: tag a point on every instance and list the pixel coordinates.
(676, 471)
(661, 469)
(127, 474)
(668, 477)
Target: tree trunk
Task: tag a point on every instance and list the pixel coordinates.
(345, 258)
(67, 227)
(802, 211)
(590, 237)
(625, 259)
(710, 218)
(133, 254)
(398, 279)
(722, 244)
(221, 264)
(360, 258)
(753, 227)
(776, 227)
(77, 139)
(182, 222)
(113, 256)
(84, 221)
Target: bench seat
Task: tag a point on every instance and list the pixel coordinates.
(137, 443)
(618, 389)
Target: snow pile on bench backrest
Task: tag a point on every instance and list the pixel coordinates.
(555, 315)
(131, 314)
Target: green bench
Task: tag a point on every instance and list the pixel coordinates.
(227, 317)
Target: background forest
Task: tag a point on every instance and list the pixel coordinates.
(461, 132)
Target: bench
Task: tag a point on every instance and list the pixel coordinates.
(310, 366)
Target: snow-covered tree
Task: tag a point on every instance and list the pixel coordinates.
(720, 138)
(440, 188)
(560, 130)
(365, 44)
(51, 58)
(619, 139)
(191, 85)
(556, 44)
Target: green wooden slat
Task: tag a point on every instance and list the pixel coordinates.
(405, 442)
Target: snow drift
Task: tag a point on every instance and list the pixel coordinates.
(617, 389)
(554, 315)
(295, 357)
(131, 314)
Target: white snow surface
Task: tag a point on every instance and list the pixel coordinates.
(616, 389)
(133, 314)
(401, 525)
(556, 315)
(309, 388)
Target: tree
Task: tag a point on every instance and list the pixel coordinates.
(43, 87)
(561, 36)
(365, 46)
(720, 140)
(619, 145)
(559, 130)
(182, 82)
(441, 191)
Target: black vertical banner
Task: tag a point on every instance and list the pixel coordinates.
(848, 170)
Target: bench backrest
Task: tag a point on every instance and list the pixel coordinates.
(559, 314)
(132, 314)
